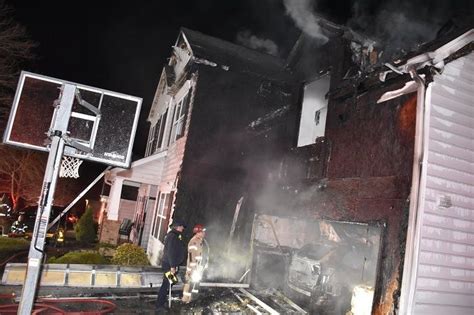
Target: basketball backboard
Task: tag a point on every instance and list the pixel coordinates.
(102, 123)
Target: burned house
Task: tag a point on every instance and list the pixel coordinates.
(393, 155)
(208, 94)
(345, 178)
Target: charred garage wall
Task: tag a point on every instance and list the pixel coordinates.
(360, 171)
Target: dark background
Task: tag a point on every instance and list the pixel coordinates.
(123, 45)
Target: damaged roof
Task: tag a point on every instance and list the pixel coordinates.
(235, 57)
(310, 57)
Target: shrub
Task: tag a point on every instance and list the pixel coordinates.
(106, 249)
(130, 255)
(11, 246)
(105, 245)
(85, 228)
(80, 257)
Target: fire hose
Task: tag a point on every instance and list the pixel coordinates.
(48, 306)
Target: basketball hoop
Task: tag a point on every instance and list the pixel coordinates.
(70, 167)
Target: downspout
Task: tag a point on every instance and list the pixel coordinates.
(408, 283)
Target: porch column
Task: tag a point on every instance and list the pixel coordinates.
(114, 199)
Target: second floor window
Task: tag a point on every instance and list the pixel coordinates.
(171, 125)
(314, 111)
(151, 135)
(180, 113)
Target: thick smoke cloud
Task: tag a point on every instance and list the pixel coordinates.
(403, 25)
(397, 25)
(247, 39)
(302, 13)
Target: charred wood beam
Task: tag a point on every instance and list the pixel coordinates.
(223, 285)
(248, 305)
(260, 303)
(290, 302)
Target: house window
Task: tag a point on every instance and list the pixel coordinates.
(314, 111)
(129, 192)
(160, 131)
(149, 146)
(180, 112)
(171, 130)
(160, 222)
(156, 135)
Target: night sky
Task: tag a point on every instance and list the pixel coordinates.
(123, 46)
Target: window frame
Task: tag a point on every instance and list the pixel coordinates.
(314, 108)
(181, 115)
(179, 112)
(149, 143)
(161, 133)
(161, 215)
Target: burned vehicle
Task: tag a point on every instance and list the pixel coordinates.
(309, 272)
(328, 267)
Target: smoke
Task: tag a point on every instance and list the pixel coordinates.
(404, 25)
(397, 25)
(399, 31)
(247, 39)
(302, 13)
(228, 259)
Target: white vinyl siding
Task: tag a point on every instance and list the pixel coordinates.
(445, 270)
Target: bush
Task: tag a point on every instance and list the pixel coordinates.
(80, 257)
(130, 255)
(86, 229)
(105, 249)
(11, 246)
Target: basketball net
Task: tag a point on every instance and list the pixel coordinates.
(70, 167)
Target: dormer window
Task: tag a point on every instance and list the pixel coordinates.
(314, 111)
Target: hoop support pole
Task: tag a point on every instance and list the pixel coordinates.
(35, 255)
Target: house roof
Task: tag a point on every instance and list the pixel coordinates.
(309, 56)
(236, 57)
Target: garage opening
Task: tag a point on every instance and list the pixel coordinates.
(328, 266)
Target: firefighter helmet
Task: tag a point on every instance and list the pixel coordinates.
(198, 228)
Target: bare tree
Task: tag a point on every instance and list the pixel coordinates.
(21, 176)
(21, 173)
(19, 169)
(15, 49)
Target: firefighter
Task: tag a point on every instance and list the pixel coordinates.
(19, 227)
(173, 256)
(60, 237)
(194, 267)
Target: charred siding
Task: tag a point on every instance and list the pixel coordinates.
(225, 157)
